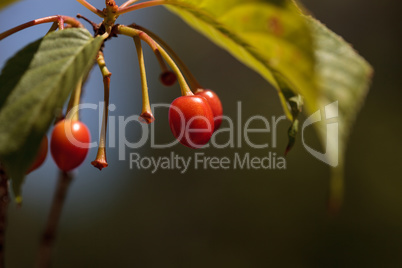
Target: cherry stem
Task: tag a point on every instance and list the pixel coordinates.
(155, 49)
(152, 3)
(128, 3)
(158, 55)
(100, 161)
(4, 201)
(129, 31)
(146, 114)
(49, 234)
(91, 8)
(186, 71)
(72, 108)
(185, 89)
(57, 18)
(162, 63)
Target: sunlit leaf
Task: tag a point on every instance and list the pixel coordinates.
(269, 36)
(34, 85)
(298, 55)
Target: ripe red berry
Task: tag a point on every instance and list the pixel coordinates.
(215, 103)
(69, 144)
(191, 120)
(40, 155)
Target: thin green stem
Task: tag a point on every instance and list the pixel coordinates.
(162, 63)
(186, 71)
(72, 108)
(100, 162)
(159, 57)
(124, 30)
(91, 8)
(141, 5)
(146, 114)
(153, 45)
(57, 18)
(185, 89)
(128, 3)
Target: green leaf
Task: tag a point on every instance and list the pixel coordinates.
(269, 36)
(298, 55)
(343, 77)
(5, 3)
(34, 85)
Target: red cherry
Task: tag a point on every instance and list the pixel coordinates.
(40, 155)
(69, 144)
(191, 120)
(215, 103)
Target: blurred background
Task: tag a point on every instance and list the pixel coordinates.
(122, 217)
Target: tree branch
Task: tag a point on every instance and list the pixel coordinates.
(49, 235)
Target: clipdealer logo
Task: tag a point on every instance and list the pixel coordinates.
(330, 116)
(238, 132)
(199, 160)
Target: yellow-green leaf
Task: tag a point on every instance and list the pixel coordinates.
(298, 55)
(269, 36)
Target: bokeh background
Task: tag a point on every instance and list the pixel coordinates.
(124, 217)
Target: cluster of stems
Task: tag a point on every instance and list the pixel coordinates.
(160, 48)
(166, 58)
(164, 54)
